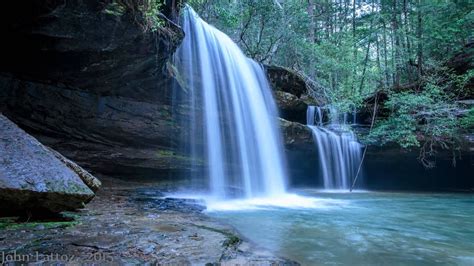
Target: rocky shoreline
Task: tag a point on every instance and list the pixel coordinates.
(130, 223)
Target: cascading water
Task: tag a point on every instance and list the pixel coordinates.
(241, 141)
(339, 152)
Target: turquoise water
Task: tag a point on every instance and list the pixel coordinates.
(365, 229)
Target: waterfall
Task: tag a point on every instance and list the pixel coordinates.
(339, 151)
(232, 105)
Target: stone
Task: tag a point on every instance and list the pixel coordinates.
(296, 136)
(91, 181)
(283, 79)
(98, 87)
(93, 84)
(32, 178)
(291, 107)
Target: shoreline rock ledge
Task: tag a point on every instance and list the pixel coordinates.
(35, 179)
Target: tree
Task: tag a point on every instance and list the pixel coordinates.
(354, 48)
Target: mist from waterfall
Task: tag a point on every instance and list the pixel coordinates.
(339, 151)
(231, 104)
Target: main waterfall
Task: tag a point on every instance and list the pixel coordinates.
(241, 142)
(338, 149)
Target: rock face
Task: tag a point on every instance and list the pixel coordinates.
(92, 82)
(283, 79)
(33, 178)
(291, 95)
(291, 107)
(290, 88)
(296, 136)
(407, 173)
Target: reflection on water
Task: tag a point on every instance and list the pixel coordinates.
(365, 229)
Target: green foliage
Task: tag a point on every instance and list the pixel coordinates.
(151, 10)
(400, 129)
(467, 122)
(428, 119)
(400, 47)
(147, 11)
(232, 241)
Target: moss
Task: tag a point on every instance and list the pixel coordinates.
(11, 224)
(71, 216)
(4, 222)
(165, 153)
(171, 155)
(232, 239)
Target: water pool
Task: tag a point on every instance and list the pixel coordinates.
(365, 229)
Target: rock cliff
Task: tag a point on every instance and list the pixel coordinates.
(93, 80)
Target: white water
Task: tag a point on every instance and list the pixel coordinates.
(241, 140)
(339, 152)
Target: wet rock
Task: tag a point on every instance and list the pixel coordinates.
(32, 178)
(99, 242)
(174, 204)
(449, 174)
(195, 239)
(291, 107)
(92, 83)
(283, 79)
(91, 181)
(296, 135)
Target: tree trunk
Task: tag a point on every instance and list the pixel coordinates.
(354, 43)
(396, 37)
(310, 9)
(385, 54)
(419, 35)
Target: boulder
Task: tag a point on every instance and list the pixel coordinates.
(296, 136)
(91, 181)
(293, 93)
(300, 152)
(32, 178)
(291, 107)
(286, 80)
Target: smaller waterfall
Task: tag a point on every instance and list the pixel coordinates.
(339, 151)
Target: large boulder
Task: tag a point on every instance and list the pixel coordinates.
(291, 107)
(296, 136)
(293, 93)
(32, 178)
(91, 181)
(286, 80)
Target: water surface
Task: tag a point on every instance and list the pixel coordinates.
(365, 229)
